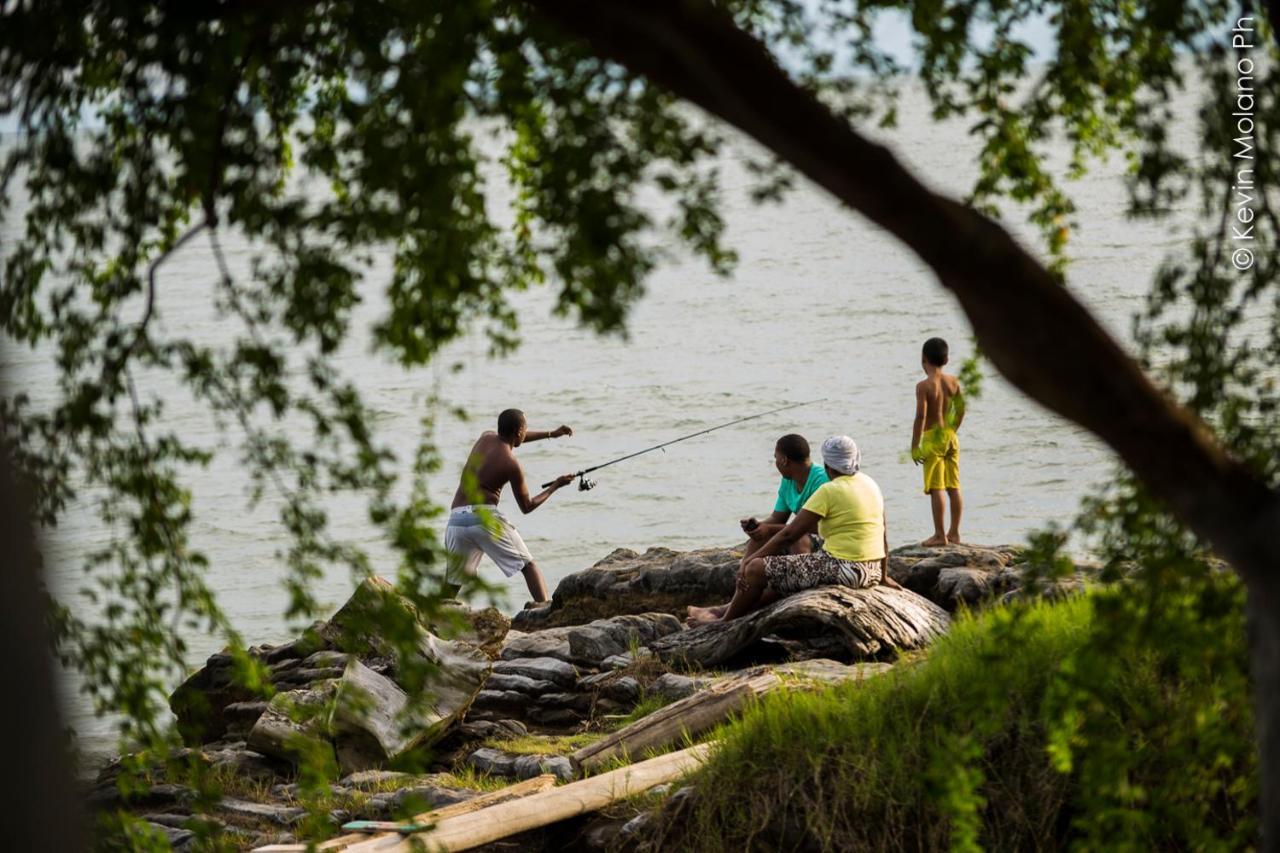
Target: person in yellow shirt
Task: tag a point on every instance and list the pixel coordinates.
(847, 512)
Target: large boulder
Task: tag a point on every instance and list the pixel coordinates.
(296, 724)
(658, 581)
(858, 624)
(372, 721)
(351, 648)
(955, 576)
(591, 644)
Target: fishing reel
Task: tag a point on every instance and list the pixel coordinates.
(585, 485)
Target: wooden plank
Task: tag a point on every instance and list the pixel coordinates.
(502, 795)
(464, 832)
(690, 716)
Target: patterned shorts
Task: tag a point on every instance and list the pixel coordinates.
(791, 573)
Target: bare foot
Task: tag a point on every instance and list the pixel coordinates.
(934, 541)
(704, 616)
(953, 538)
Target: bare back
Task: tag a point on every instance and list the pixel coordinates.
(935, 394)
(492, 464)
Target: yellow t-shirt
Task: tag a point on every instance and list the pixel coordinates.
(852, 511)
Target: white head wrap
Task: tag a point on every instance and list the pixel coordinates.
(840, 453)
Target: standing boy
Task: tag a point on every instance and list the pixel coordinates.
(934, 444)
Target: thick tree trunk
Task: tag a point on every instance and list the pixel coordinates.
(45, 811)
(1264, 653)
(1033, 330)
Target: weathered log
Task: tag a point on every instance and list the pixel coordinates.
(464, 832)
(869, 623)
(484, 801)
(691, 716)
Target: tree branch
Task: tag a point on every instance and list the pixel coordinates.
(1039, 336)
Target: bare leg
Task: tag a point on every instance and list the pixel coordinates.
(938, 505)
(533, 577)
(751, 589)
(957, 506)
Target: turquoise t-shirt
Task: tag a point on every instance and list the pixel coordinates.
(789, 500)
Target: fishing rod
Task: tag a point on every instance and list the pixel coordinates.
(584, 484)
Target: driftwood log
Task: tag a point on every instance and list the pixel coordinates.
(484, 801)
(466, 831)
(867, 623)
(690, 716)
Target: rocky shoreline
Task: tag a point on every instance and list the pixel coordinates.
(519, 699)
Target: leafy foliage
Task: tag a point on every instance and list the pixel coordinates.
(332, 134)
(1147, 747)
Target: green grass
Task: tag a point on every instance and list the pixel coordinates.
(649, 703)
(996, 740)
(540, 745)
(469, 777)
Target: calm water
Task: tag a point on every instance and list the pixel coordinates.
(822, 305)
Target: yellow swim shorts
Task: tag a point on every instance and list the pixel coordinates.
(941, 452)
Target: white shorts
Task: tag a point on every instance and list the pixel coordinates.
(476, 530)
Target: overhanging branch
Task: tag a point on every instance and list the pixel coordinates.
(1034, 331)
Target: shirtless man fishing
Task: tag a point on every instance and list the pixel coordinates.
(476, 526)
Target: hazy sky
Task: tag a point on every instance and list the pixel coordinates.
(893, 31)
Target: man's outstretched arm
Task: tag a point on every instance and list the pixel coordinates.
(520, 489)
(538, 434)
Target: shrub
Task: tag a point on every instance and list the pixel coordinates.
(1025, 728)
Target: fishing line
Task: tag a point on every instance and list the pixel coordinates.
(584, 484)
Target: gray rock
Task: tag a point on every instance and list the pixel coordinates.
(593, 643)
(498, 699)
(673, 686)
(309, 643)
(240, 716)
(555, 718)
(366, 780)
(497, 729)
(326, 659)
(963, 585)
(303, 676)
(625, 690)
(495, 762)
(498, 763)
(955, 575)
(552, 643)
(294, 722)
(618, 661)
(244, 763)
(421, 798)
(519, 684)
(658, 581)
(528, 766)
(539, 669)
(580, 702)
(178, 839)
(281, 815)
(198, 703)
(372, 720)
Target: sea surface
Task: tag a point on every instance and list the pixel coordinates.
(822, 305)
